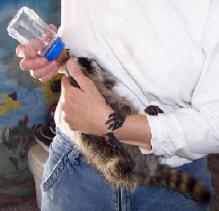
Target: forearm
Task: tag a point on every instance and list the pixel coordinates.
(90, 111)
(135, 131)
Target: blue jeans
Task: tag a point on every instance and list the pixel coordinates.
(70, 184)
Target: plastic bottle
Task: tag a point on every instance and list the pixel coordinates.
(29, 29)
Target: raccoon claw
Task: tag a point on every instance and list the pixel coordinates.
(115, 121)
(116, 124)
(117, 118)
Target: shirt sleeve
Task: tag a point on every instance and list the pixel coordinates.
(193, 132)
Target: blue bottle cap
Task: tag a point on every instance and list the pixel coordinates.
(54, 49)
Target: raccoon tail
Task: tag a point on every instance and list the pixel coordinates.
(175, 180)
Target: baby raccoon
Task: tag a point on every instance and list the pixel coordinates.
(123, 165)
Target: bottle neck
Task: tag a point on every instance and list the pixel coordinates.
(54, 49)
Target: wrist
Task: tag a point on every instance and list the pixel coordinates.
(135, 131)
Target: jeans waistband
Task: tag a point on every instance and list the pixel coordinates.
(64, 140)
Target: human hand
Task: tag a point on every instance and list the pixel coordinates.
(39, 67)
(84, 109)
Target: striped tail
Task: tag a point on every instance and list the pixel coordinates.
(175, 180)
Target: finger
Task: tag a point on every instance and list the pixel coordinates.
(65, 83)
(48, 76)
(53, 27)
(42, 72)
(38, 46)
(68, 88)
(34, 63)
(20, 50)
(24, 51)
(76, 72)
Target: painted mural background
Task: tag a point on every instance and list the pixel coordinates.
(24, 104)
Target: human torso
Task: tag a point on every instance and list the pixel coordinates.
(152, 47)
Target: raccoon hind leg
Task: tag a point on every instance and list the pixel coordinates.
(116, 120)
(118, 147)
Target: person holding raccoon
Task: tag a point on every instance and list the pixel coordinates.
(162, 55)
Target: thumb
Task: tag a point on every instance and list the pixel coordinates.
(75, 71)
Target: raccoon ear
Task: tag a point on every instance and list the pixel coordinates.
(85, 62)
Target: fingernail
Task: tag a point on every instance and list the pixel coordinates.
(19, 53)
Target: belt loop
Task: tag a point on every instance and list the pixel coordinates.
(74, 155)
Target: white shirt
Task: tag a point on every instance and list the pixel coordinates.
(163, 52)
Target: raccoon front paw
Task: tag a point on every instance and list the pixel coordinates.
(115, 121)
(117, 118)
(153, 110)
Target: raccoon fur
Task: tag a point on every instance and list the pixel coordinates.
(123, 165)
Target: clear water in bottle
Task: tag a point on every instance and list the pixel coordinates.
(29, 29)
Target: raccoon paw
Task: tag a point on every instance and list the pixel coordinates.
(117, 118)
(153, 110)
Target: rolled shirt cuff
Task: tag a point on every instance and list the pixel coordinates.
(161, 146)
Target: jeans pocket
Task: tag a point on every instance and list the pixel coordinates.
(56, 164)
(53, 170)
